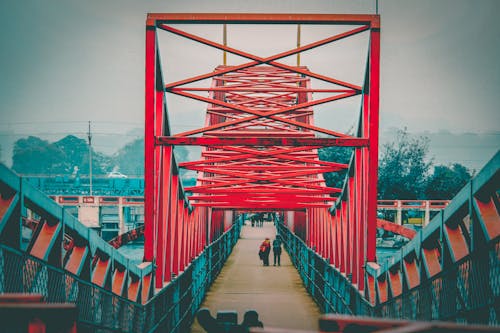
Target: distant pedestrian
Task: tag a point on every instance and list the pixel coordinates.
(277, 250)
(264, 250)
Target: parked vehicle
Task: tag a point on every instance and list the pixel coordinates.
(116, 174)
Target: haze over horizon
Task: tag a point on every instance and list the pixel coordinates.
(71, 62)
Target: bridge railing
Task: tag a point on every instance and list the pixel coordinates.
(467, 292)
(173, 309)
(332, 291)
(451, 269)
(99, 310)
(97, 307)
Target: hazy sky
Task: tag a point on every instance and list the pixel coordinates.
(63, 63)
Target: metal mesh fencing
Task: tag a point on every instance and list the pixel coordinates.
(172, 310)
(332, 291)
(466, 292)
(98, 309)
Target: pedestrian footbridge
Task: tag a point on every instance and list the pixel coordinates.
(259, 154)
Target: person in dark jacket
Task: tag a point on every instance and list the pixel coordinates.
(277, 250)
(264, 250)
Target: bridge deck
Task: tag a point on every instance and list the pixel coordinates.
(276, 293)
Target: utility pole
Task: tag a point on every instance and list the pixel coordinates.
(89, 135)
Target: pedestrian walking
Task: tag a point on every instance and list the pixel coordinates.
(264, 250)
(277, 250)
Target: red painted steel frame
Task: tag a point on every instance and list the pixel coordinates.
(260, 148)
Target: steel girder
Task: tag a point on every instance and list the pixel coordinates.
(260, 146)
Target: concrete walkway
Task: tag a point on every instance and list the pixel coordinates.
(276, 293)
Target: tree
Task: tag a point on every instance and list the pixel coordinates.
(130, 158)
(76, 153)
(445, 182)
(403, 168)
(33, 155)
(339, 155)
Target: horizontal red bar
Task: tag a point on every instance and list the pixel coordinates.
(282, 205)
(257, 89)
(204, 141)
(327, 190)
(227, 198)
(235, 18)
(260, 134)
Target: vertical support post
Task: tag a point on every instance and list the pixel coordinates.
(350, 225)
(359, 236)
(373, 140)
(427, 216)
(208, 230)
(399, 213)
(337, 237)
(121, 218)
(185, 235)
(160, 177)
(343, 236)
(89, 135)
(298, 43)
(224, 41)
(364, 180)
(174, 224)
(323, 232)
(149, 144)
(189, 222)
(163, 261)
(166, 197)
(331, 240)
(181, 232)
(320, 233)
(308, 230)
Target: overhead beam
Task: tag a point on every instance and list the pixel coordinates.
(263, 142)
(236, 18)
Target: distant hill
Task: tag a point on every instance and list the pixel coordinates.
(472, 150)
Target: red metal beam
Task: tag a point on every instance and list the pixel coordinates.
(260, 147)
(263, 142)
(244, 18)
(149, 151)
(396, 228)
(268, 60)
(374, 72)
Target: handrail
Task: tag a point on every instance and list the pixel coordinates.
(170, 310)
(331, 289)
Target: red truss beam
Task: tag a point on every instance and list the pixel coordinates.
(260, 145)
(262, 141)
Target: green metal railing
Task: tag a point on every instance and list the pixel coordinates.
(331, 290)
(172, 310)
(467, 292)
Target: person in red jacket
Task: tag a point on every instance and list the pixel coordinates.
(264, 250)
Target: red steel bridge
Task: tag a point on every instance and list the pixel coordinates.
(259, 154)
